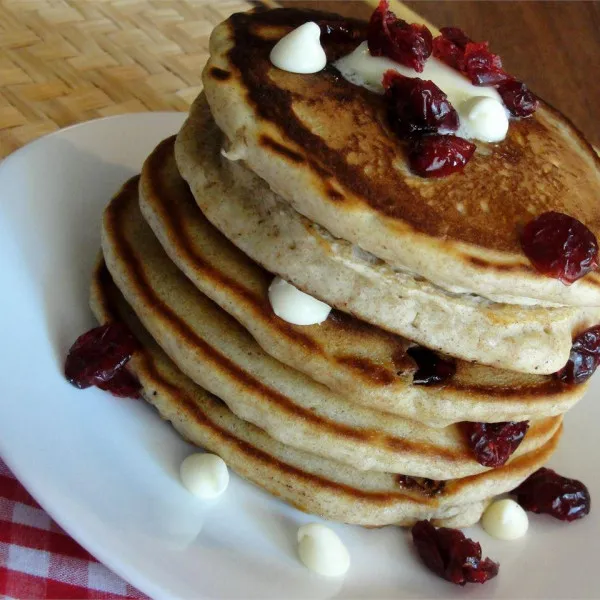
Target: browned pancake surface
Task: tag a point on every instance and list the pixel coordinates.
(367, 364)
(339, 131)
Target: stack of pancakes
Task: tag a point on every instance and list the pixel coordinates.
(299, 176)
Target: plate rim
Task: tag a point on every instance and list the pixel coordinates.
(134, 574)
(129, 573)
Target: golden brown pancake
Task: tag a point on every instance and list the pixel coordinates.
(364, 363)
(209, 346)
(324, 145)
(530, 339)
(307, 482)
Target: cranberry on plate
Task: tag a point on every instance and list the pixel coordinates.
(548, 492)
(451, 555)
(98, 358)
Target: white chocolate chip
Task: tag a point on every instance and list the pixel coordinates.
(322, 551)
(205, 475)
(300, 51)
(484, 118)
(294, 306)
(505, 520)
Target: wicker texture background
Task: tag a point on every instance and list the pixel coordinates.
(67, 61)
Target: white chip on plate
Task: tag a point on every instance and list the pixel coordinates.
(205, 475)
(505, 520)
(322, 551)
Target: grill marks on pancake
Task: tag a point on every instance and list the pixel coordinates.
(370, 369)
(268, 142)
(250, 55)
(146, 369)
(221, 361)
(202, 419)
(402, 365)
(362, 367)
(149, 370)
(275, 104)
(496, 266)
(551, 386)
(220, 74)
(114, 216)
(334, 194)
(522, 464)
(176, 224)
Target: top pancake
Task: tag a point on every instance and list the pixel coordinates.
(323, 144)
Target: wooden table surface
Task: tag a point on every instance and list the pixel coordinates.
(553, 46)
(68, 61)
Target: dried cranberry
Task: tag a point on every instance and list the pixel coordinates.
(340, 32)
(474, 59)
(456, 36)
(481, 66)
(451, 555)
(548, 492)
(408, 44)
(517, 97)
(584, 358)
(123, 384)
(494, 443)
(560, 246)
(439, 155)
(417, 106)
(448, 52)
(431, 367)
(98, 356)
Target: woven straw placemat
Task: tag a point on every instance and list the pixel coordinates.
(68, 61)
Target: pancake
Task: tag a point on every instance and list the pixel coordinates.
(308, 482)
(363, 363)
(324, 146)
(211, 348)
(240, 204)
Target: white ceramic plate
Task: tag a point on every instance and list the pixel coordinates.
(106, 469)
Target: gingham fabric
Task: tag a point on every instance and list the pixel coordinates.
(39, 560)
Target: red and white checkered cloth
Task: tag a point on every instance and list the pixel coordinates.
(39, 560)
